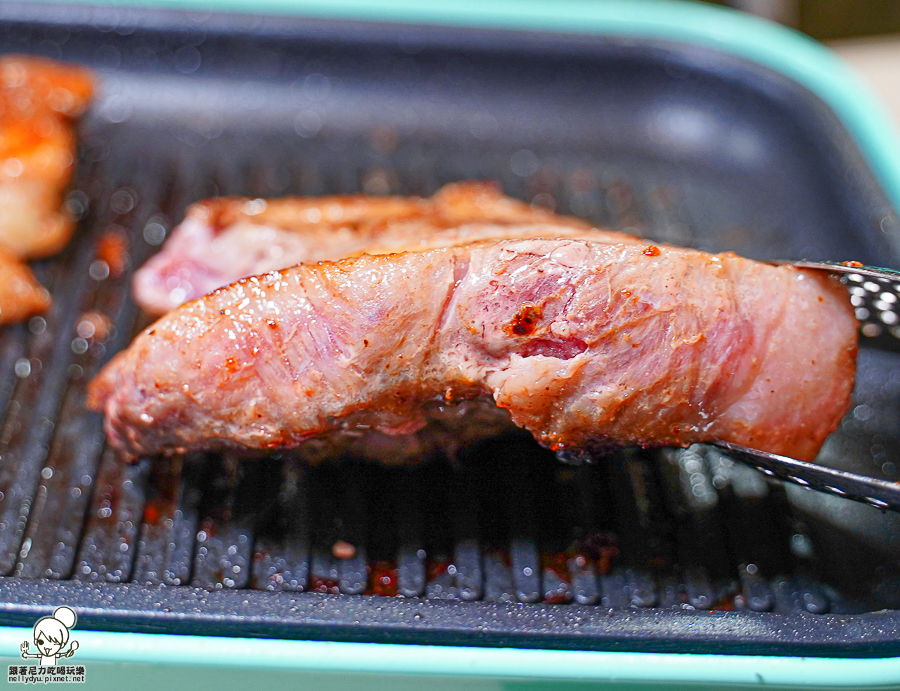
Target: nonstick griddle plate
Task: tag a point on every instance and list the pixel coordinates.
(672, 550)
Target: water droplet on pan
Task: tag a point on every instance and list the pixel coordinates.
(23, 367)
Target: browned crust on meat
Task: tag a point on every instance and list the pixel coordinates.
(453, 205)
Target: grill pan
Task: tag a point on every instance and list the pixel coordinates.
(673, 551)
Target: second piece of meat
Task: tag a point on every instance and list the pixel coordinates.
(223, 240)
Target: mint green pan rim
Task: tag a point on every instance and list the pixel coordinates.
(787, 52)
(126, 657)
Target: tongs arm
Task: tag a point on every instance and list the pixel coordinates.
(881, 494)
(875, 296)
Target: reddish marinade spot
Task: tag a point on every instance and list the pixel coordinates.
(600, 549)
(153, 511)
(557, 564)
(524, 322)
(328, 586)
(382, 578)
(112, 248)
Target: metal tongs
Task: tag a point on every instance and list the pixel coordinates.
(875, 295)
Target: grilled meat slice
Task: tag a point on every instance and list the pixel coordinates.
(20, 294)
(39, 100)
(576, 341)
(222, 240)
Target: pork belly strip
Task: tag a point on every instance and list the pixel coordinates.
(39, 101)
(223, 240)
(577, 341)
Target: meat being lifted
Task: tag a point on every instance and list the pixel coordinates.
(580, 341)
(222, 240)
(39, 100)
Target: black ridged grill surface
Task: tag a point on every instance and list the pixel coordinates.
(504, 522)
